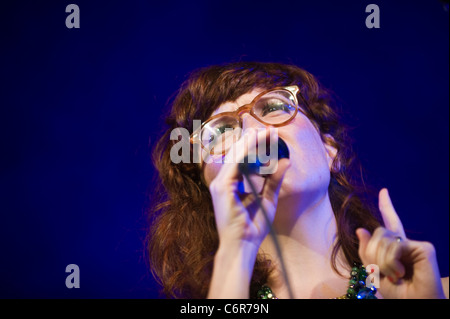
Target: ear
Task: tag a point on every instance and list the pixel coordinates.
(331, 152)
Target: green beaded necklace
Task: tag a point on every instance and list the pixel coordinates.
(356, 287)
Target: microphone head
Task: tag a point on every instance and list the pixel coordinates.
(247, 168)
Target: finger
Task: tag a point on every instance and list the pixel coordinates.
(388, 255)
(238, 151)
(273, 182)
(246, 145)
(390, 218)
(394, 267)
(371, 248)
(383, 250)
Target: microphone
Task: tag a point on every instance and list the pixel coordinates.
(247, 168)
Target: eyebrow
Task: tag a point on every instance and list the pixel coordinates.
(231, 106)
(226, 107)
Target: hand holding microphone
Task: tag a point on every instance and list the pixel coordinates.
(244, 220)
(237, 216)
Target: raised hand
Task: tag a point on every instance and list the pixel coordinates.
(409, 268)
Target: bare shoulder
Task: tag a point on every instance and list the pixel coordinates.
(445, 285)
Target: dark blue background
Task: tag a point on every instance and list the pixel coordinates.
(80, 109)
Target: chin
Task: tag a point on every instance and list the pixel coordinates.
(304, 188)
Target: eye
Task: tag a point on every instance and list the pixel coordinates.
(219, 131)
(274, 105)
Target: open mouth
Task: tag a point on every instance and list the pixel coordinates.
(263, 164)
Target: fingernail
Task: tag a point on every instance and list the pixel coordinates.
(392, 279)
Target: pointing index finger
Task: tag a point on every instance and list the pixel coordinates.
(390, 218)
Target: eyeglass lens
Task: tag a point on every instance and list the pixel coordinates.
(274, 107)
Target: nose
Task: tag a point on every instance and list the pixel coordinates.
(249, 121)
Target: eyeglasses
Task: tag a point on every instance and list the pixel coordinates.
(275, 107)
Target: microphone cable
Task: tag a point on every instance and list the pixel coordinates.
(246, 170)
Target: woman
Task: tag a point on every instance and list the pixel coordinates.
(209, 238)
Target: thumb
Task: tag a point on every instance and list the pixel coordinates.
(274, 181)
(364, 236)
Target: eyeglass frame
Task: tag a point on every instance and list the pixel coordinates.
(248, 108)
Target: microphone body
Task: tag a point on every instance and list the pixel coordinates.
(247, 168)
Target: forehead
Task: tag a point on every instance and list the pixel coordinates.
(234, 105)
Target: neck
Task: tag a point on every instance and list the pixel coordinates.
(306, 233)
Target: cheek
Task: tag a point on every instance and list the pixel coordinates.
(210, 171)
(306, 143)
(309, 168)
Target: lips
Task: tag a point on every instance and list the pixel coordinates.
(253, 171)
(266, 166)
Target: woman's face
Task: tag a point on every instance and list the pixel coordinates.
(310, 158)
